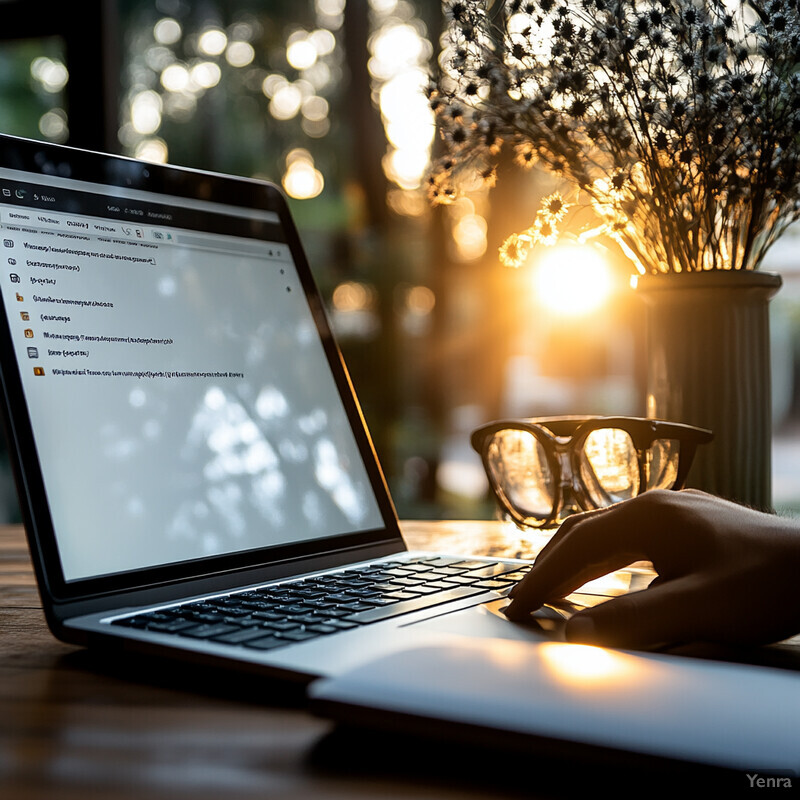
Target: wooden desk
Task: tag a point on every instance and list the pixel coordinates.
(75, 725)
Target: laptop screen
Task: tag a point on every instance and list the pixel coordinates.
(181, 400)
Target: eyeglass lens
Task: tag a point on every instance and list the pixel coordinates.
(520, 469)
(662, 463)
(609, 466)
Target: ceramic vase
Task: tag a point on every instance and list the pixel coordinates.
(708, 364)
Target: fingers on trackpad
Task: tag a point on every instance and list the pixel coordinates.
(552, 616)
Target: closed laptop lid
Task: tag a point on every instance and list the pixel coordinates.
(175, 404)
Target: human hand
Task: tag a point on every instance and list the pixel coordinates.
(726, 573)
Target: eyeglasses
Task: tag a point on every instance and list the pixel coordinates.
(541, 470)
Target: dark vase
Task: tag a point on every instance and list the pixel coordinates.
(708, 364)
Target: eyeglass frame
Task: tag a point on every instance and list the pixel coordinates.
(568, 434)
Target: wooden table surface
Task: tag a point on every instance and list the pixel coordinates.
(76, 724)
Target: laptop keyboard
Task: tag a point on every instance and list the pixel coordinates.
(276, 616)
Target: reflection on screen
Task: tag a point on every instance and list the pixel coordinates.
(180, 396)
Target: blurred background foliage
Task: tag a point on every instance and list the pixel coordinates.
(326, 98)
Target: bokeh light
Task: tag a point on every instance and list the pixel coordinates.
(315, 108)
(420, 300)
(50, 73)
(153, 150)
(167, 31)
(146, 112)
(53, 125)
(175, 78)
(302, 180)
(323, 40)
(469, 234)
(206, 74)
(286, 102)
(351, 296)
(212, 42)
(399, 54)
(240, 54)
(301, 53)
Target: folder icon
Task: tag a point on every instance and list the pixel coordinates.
(38, 371)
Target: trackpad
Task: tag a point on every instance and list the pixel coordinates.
(488, 620)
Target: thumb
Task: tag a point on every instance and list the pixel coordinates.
(663, 614)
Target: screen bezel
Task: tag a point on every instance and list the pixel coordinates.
(32, 158)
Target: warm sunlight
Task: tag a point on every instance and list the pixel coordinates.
(571, 280)
(584, 665)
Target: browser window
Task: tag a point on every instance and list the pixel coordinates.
(172, 346)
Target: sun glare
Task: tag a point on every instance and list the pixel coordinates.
(582, 665)
(572, 280)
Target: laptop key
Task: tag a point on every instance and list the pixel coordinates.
(404, 595)
(208, 631)
(174, 626)
(271, 616)
(309, 619)
(429, 589)
(492, 570)
(357, 606)
(342, 624)
(518, 575)
(435, 585)
(323, 628)
(370, 592)
(293, 610)
(240, 636)
(473, 564)
(409, 581)
(319, 605)
(441, 561)
(340, 598)
(266, 643)
(334, 613)
(132, 622)
(494, 584)
(282, 627)
(297, 636)
(462, 580)
(384, 600)
(209, 618)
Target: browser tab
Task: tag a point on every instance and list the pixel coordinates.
(105, 229)
(45, 220)
(15, 217)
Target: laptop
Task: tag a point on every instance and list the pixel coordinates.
(195, 475)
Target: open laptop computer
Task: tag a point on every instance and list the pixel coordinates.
(194, 472)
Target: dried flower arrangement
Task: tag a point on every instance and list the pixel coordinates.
(676, 121)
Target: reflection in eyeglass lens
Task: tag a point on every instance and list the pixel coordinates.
(520, 468)
(609, 466)
(662, 463)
